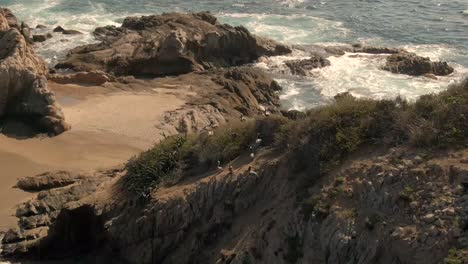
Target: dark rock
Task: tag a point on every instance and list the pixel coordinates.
(71, 32)
(41, 27)
(170, 44)
(41, 38)
(303, 67)
(26, 32)
(13, 236)
(59, 29)
(411, 64)
(376, 50)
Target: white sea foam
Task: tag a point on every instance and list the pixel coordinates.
(359, 74)
(293, 28)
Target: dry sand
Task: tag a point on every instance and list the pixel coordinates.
(107, 129)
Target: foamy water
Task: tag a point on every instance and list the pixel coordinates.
(433, 28)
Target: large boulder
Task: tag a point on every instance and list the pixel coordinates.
(412, 64)
(170, 44)
(23, 85)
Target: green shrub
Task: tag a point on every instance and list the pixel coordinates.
(456, 256)
(162, 163)
(169, 161)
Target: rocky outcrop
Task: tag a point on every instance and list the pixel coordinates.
(46, 181)
(411, 64)
(222, 95)
(23, 86)
(304, 67)
(170, 44)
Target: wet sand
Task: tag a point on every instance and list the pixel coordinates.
(107, 129)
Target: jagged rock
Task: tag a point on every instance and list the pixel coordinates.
(23, 87)
(224, 94)
(376, 50)
(303, 67)
(13, 236)
(170, 44)
(59, 29)
(48, 180)
(10, 18)
(85, 78)
(411, 64)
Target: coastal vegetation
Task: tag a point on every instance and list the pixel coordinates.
(322, 139)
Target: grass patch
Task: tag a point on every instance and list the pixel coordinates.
(456, 256)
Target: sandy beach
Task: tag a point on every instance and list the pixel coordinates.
(108, 128)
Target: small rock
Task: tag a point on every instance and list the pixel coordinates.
(449, 211)
(41, 38)
(59, 29)
(429, 218)
(41, 26)
(414, 205)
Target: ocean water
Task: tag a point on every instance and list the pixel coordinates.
(434, 28)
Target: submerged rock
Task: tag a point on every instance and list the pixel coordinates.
(170, 44)
(23, 86)
(412, 64)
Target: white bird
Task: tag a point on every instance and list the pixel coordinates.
(252, 155)
(211, 133)
(219, 166)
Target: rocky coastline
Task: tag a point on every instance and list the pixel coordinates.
(234, 178)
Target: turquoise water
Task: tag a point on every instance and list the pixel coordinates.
(434, 28)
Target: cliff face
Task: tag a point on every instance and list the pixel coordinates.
(23, 85)
(393, 206)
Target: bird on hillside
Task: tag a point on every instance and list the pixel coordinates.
(219, 166)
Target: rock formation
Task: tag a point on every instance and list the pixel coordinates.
(303, 67)
(23, 86)
(222, 95)
(170, 44)
(411, 64)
